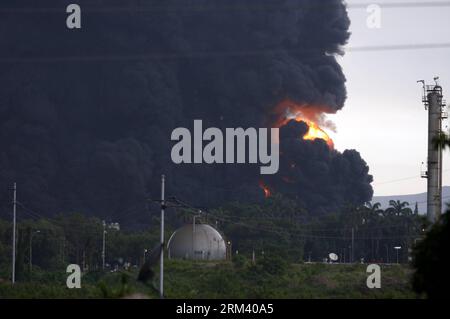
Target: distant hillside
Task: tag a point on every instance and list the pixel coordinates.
(412, 199)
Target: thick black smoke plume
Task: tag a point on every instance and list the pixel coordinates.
(86, 115)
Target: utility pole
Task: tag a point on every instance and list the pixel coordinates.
(353, 245)
(228, 250)
(13, 276)
(161, 268)
(104, 246)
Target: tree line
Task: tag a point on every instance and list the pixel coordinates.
(364, 233)
(52, 244)
(278, 227)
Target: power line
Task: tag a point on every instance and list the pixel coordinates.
(229, 7)
(238, 220)
(399, 4)
(399, 47)
(307, 236)
(282, 232)
(212, 54)
(424, 201)
(308, 228)
(402, 179)
(33, 214)
(241, 220)
(235, 221)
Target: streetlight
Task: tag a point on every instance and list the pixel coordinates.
(31, 248)
(229, 250)
(397, 248)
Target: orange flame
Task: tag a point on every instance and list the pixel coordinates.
(266, 189)
(315, 131)
(288, 110)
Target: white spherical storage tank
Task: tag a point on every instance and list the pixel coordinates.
(199, 242)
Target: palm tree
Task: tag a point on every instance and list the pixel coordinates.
(398, 208)
(371, 212)
(373, 209)
(442, 140)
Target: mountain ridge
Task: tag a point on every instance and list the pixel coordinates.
(412, 199)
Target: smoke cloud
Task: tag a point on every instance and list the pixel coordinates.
(86, 115)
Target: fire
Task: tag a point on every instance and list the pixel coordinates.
(265, 188)
(312, 116)
(315, 131)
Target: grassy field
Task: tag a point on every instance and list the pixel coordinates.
(184, 279)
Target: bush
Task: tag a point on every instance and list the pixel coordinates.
(240, 261)
(273, 265)
(431, 260)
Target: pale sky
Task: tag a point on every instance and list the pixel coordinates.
(384, 118)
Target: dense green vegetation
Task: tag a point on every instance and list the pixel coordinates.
(242, 279)
(291, 281)
(280, 234)
(281, 227)
(431, 260)
(56, 242)
(278, 227)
